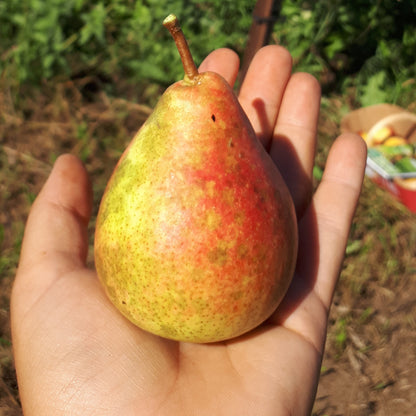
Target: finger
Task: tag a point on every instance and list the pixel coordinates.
(57, 225)
(294, 137)
(263, 88)
(224, 62)
(323, 233)
(334, 204)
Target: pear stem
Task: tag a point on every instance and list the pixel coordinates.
(172, 24)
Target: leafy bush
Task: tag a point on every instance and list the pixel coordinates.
(365, 44)
(368, 44)
(41, 39)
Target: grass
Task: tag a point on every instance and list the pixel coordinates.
(373, 311)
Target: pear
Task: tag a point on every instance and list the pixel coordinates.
(196, 235)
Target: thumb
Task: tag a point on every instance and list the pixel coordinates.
(55, 238)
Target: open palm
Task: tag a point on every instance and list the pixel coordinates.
(75, 354)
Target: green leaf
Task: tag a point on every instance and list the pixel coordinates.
(94, 25)
(317, 173)
(374, 91)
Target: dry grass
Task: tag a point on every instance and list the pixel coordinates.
(369, 366)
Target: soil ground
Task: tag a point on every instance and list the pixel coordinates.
(369, 367)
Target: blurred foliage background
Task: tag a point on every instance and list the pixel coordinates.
(368, 45)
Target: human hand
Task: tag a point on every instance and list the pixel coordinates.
(76, 354)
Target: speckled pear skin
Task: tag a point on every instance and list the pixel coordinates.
(196, 235)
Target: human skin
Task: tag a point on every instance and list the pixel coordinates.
(76, 355)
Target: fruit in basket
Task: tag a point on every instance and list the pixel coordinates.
(409, 184)
(395, 141)
(196, 235)
(382, 134)
(363, 134)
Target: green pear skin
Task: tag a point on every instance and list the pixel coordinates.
(196, 235)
